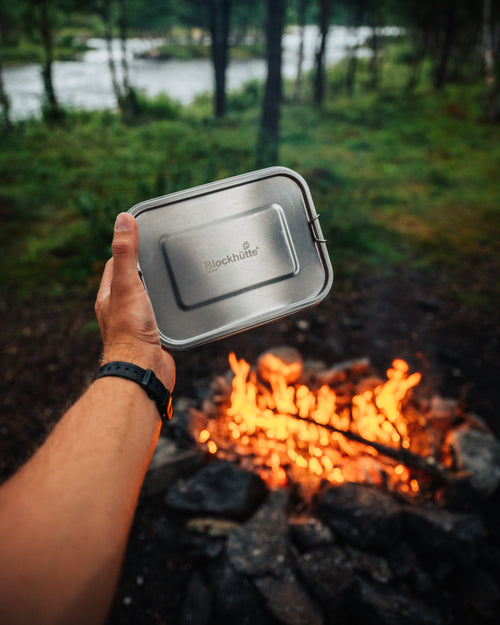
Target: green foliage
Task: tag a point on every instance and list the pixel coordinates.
(398, 179)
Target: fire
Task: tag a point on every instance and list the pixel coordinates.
(293, 432)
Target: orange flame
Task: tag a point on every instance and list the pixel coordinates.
(269, 425)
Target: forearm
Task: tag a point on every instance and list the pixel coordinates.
(65, 517)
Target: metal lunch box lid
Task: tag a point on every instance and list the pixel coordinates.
(231, 255)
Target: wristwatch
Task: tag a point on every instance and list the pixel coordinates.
(145, 378)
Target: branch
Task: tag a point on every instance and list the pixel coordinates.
(409, 459)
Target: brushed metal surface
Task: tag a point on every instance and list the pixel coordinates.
(264, 219)
(230, 256)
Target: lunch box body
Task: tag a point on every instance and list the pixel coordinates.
(231, 255)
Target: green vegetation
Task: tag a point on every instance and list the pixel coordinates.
(399, 180)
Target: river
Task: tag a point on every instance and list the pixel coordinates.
(86, 83)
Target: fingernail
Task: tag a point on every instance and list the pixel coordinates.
(122, 222)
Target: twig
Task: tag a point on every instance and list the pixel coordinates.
(408, 458)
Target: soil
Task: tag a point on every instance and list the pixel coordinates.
(49, 355)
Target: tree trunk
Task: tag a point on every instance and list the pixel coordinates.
(491, 100)
(4, 103)
(220, 17)
(415, 65)
(300, 57)
(51, 107)
(129, 104)
(440, 73)
(320, 78)
(375, 60)
(352, 61)
(108, 37)
(268, 142)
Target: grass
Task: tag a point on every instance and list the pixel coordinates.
(400, 180)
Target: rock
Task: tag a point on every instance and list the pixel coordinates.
(197, 605)
(238, 602)
(260, 546)
(478, 453)
(220, 488)
(290, 365)
(169, 463)
(330, 579)
(218, 528)
(287, 600)
(372, 566)
(339, 373)
(362, 515)
(438, 532)
(483, 593)
(381, 606)
(309, 533)
(442, 411)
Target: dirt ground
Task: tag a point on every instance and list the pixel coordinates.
(49, 355)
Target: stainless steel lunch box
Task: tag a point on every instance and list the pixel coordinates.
(231, 255)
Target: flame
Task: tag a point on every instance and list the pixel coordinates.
(289, 428)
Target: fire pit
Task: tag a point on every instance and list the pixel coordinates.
(297, 493)
(307, 426)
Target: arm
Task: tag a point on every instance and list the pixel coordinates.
(66, 515)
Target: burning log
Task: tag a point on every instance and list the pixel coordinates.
(401, 455)
(358, 428)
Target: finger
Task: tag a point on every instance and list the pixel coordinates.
(125, 247)
(107, 277)
(104, 289)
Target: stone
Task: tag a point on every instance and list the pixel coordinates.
(329, 577)
(478, 453)
(291, 366)
(238, 602)
(339, 373)
(372, 566)
(438, 532)
(169, 463)
(197, 604)
(260, 546)
(362, 515)
(287, 600)
(309, 533)
(380, 606)
(220, 488)
(211, 526)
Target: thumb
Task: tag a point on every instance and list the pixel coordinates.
(125, 247)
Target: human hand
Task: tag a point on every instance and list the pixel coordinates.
(124, 311)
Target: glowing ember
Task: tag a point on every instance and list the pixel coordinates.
(289, 431)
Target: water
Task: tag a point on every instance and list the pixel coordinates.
(86, 84)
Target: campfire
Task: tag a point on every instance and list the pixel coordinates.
(298, 492)
(310, 425)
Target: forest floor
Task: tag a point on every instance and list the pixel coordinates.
(50, 354)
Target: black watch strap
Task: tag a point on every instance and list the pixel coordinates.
(145, 378)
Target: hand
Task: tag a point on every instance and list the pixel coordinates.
(124, 311)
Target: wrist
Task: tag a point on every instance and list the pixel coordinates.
(145, 378)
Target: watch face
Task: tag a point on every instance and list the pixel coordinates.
(231, 255)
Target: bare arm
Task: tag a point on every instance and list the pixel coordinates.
(66, 515)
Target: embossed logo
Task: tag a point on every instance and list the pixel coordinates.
(244, 253)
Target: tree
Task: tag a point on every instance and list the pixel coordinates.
(268, 141)
(219, 19)
(10, 20)
(124, 94)
(491, 96)
(43, 12)
(320, 74)
(301, 19)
